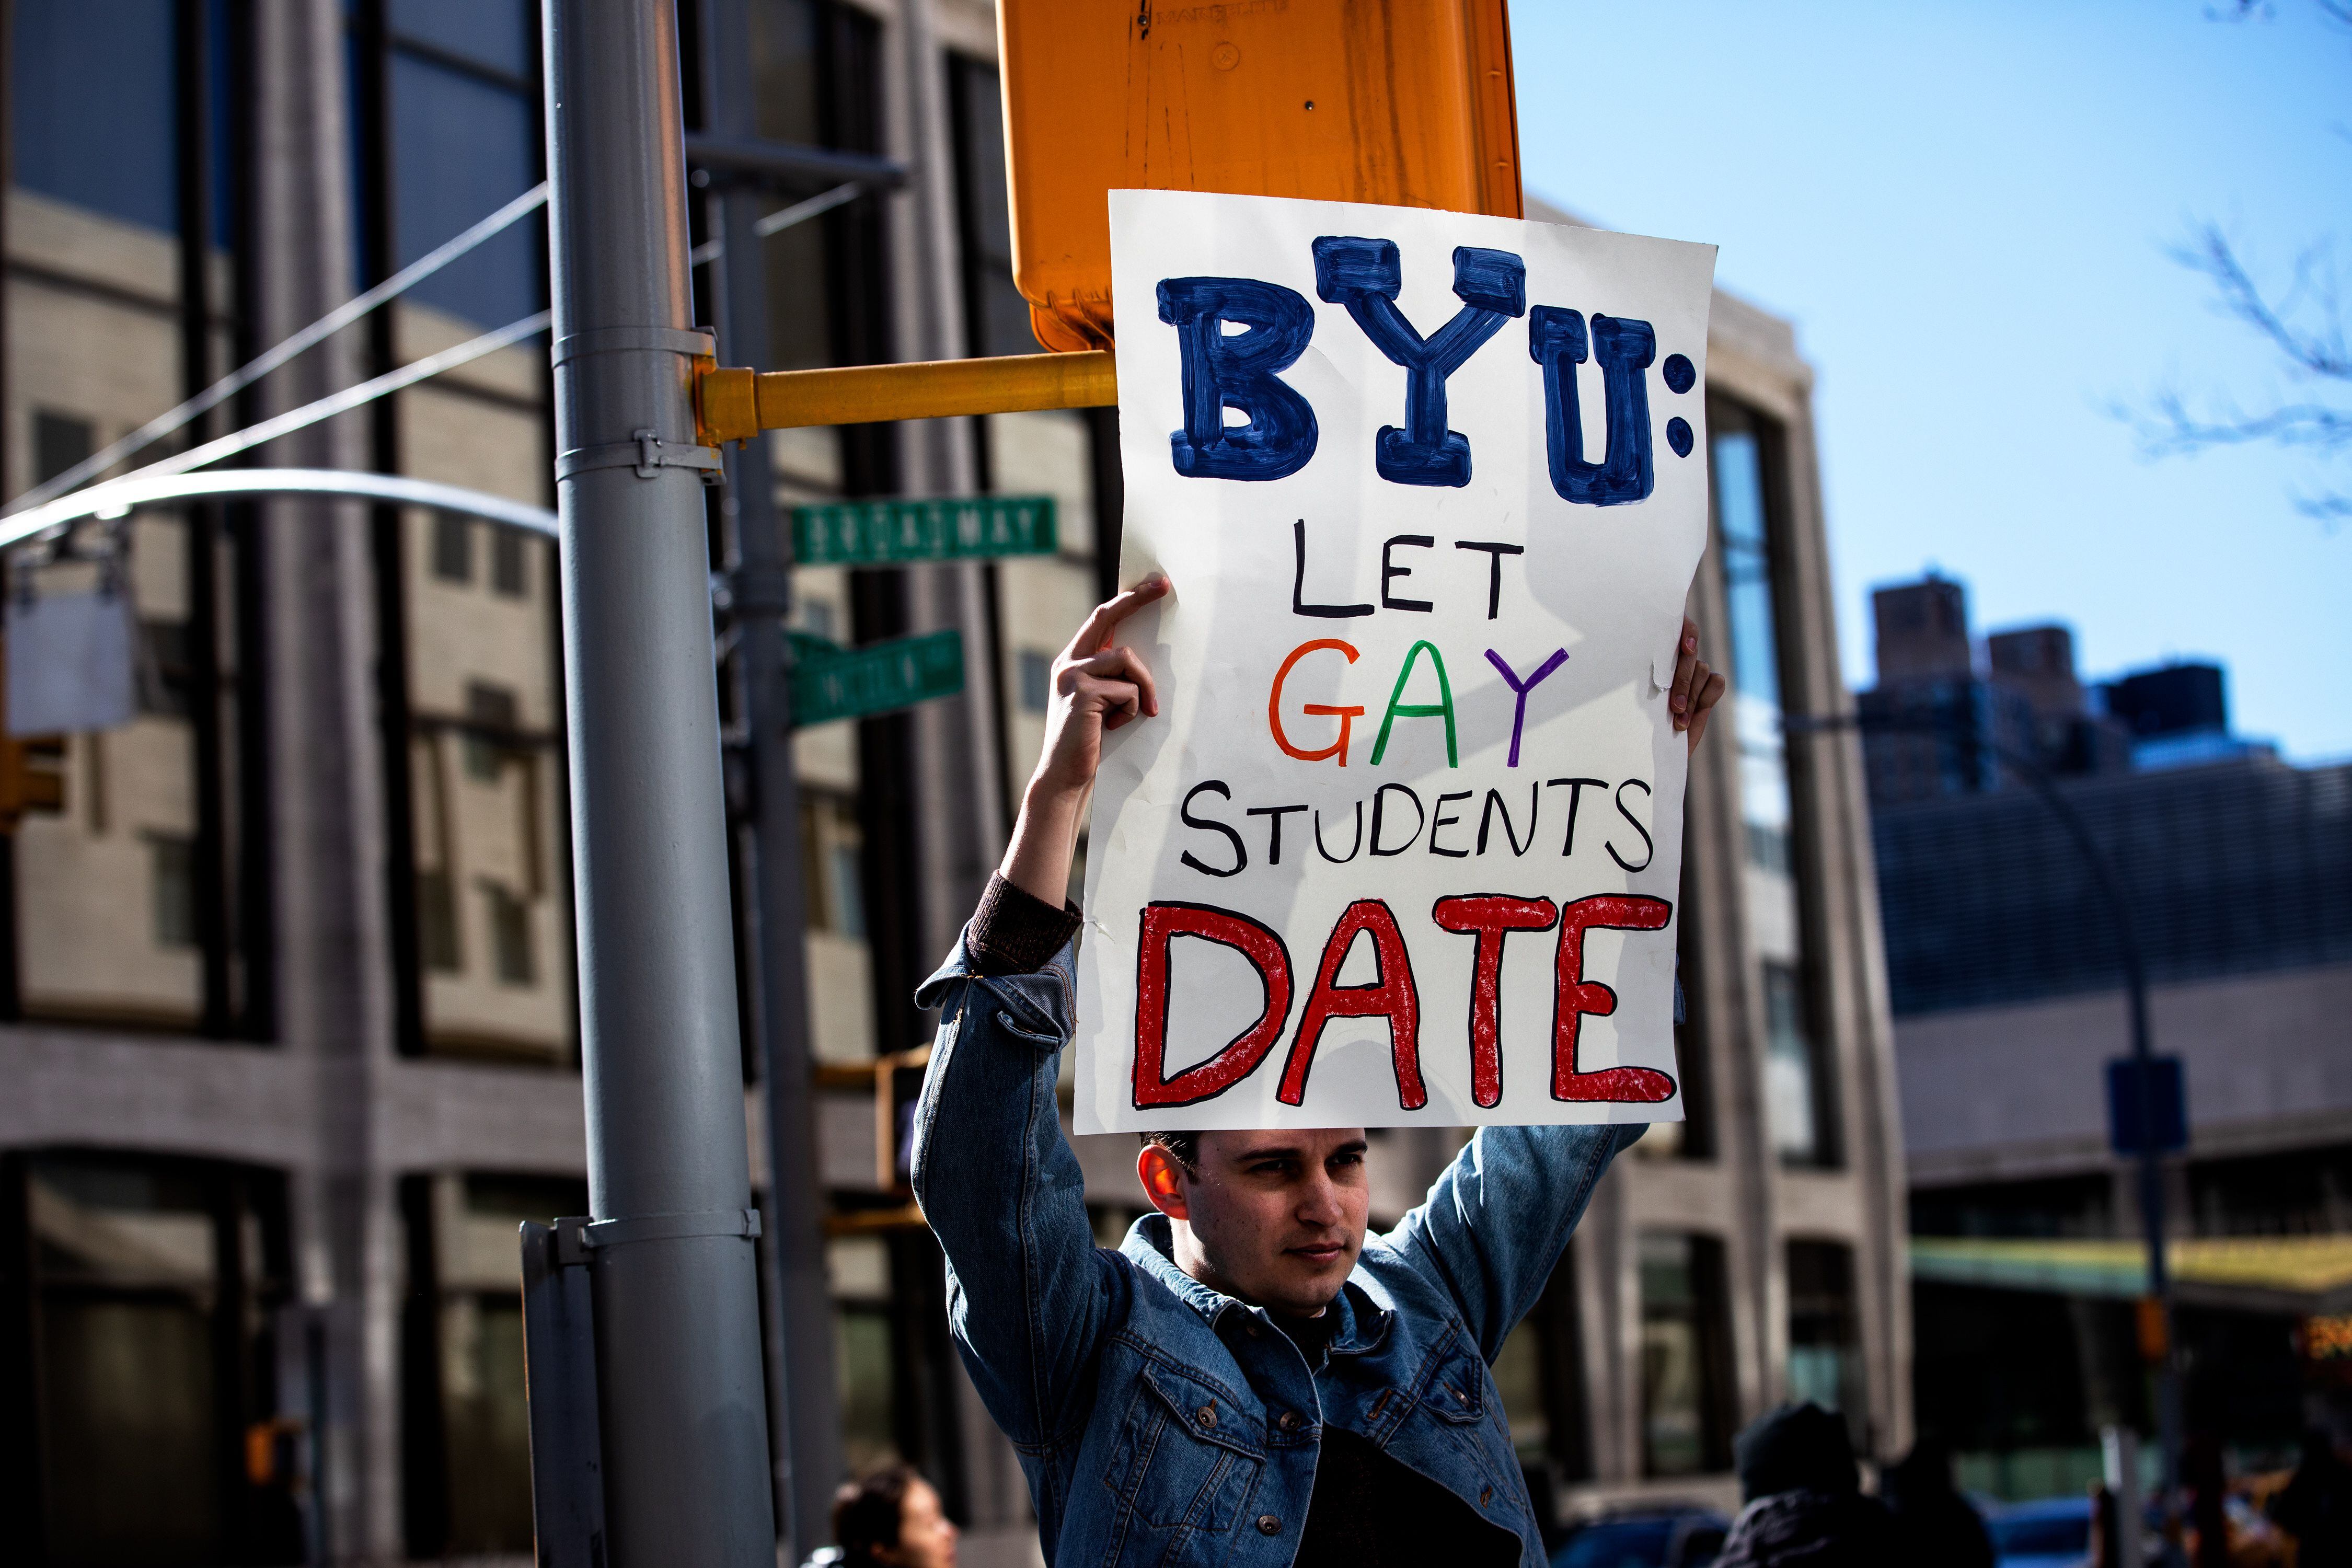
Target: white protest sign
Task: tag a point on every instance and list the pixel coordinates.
(1405, 845)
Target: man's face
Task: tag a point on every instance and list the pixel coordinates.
(1273, 1218)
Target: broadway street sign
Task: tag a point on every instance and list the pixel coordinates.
(856, 683)
(890, 532)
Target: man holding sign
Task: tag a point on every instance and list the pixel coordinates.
(1428, 690)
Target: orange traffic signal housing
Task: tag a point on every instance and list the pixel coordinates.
(1406, 104)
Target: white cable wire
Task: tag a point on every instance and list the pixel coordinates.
(57, 513)
(116, 498)
(342, 402)
(780, 220)
(325, 327)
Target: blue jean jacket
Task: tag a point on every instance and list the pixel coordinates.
(1159, 1421)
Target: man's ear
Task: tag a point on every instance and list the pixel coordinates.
(1162, 1176)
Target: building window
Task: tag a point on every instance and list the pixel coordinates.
(848, 886)
(510, 943)
(1789, 1088)
(436, 922)
(465, 124)
(147, 1285)
(453, 547)
(1037, 681)
(507, 562)
(1686, 1341)
(172, 889)
(1541, 1374)
(833, 866)
(59, 442)
(815, 72)
(817, 617)
(865, 1363)
(491, 719)
(466, 1428)
(128, 157)
(996, 317)
(97, 107)
(1746, 449)
(166, 674)
(1824, 1340)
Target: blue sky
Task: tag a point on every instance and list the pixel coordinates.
(1966, 209)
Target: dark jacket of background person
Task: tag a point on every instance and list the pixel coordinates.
(2316, 1505)
(2202, 1473)
(1805, 1507)
(1935, 1526)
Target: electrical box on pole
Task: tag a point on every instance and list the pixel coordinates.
(1343, 100)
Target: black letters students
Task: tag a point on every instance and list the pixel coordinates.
(1249, 1379)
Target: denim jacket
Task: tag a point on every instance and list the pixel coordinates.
(1159, 1421)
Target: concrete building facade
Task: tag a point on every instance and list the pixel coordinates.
(287, 1038)
(2005, 965)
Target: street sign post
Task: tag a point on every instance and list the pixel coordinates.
(2145, 1106)
(894, 532)
(858, 683)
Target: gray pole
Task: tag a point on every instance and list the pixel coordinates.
(801, 1389)
(677, 1330)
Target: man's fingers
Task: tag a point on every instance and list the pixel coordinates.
(1706, 690)
(1117, 701)
(1094, 634)
(1124, 664)
(1710, 688)
(1678, 696)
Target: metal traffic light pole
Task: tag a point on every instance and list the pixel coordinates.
(806, 1402)
(670, 1264)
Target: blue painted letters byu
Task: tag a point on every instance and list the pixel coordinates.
(1242, 371)
(1365, 276)
(1237, 370)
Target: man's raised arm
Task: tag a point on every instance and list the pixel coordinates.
(1028, 1293)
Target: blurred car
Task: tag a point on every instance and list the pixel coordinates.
(1663, 1535)
(2054, 1532)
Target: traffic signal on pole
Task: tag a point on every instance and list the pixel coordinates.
(32, 767)
(1405, 105)
(32, 777)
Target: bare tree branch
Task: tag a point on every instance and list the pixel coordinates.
(2323, 351)
(2305, 325)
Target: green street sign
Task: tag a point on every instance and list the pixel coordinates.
(856, 683)
(890, 532)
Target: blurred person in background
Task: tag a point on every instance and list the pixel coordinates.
(1804, 1506)
(2316, 1504)
(1934, 1525)
(2208, 1484)
(892, 1518)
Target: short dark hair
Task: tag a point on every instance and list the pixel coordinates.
(866, 1513)
(1184, 1146)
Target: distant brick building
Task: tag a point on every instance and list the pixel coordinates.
(2004, 975)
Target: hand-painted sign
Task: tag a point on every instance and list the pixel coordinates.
(890, 532)
(1404, 845)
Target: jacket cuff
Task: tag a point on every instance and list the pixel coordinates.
(1016, 933)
